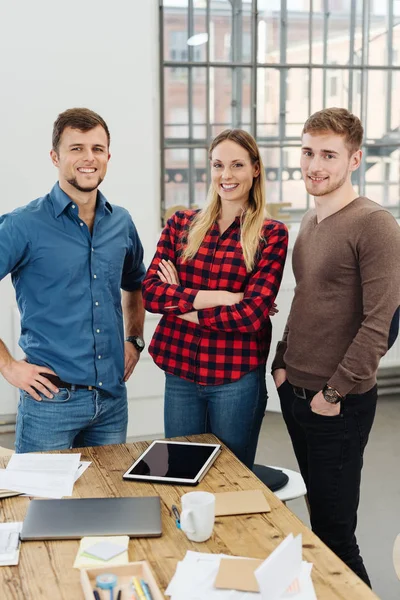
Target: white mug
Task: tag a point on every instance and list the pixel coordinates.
(198, 515)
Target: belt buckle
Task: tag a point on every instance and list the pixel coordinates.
(300, 392)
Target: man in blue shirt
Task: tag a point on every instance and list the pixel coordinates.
(69, 254)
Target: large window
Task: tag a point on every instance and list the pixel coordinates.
(265, 66)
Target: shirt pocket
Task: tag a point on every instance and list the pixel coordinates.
(78, 281)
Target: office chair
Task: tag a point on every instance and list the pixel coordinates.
(285, 483)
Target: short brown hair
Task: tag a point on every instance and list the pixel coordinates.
(83, 119)
(340, 121)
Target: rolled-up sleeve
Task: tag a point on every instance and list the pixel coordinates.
(14, 244)
(160, 297)
(251, 314)
(134, 270)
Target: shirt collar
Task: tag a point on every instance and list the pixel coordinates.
(61, 200)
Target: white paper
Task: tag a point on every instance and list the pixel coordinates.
(9, 543)
(83, 465)
(305, 589)
(58, 463)
(42, 475)
(104, 550)
(195, 575)
(43, 485)
(280, 569)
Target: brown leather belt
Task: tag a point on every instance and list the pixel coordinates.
(63, 384)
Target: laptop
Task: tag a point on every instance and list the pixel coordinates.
(71, 519)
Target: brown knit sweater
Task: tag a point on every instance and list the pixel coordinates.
(347, 297)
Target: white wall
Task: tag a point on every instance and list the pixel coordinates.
(56, 55)
(104, 56)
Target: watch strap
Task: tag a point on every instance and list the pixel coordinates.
(137, 341)
(331, 395)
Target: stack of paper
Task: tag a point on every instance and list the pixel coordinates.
(43, 475)
(281, 576)
(6, 493)
(9, 543)
(194, 578)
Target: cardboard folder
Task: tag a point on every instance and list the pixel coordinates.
(240, 503)
(238, 574)
(283, 573)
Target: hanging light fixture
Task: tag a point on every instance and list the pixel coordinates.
(198, 39)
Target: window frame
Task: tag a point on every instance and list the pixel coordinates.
(357, 68)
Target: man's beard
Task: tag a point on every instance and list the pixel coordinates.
(330, 189)
(90, 188)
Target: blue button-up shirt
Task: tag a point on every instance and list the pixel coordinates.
(68, 285)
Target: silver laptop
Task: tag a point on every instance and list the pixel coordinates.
(71, 519)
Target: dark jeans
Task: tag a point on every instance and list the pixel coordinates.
(330, 451)
(232, 411)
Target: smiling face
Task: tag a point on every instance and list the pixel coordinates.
(82, 158)
(326, 163)
(232, 172)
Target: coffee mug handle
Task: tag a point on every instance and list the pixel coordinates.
(187, 523)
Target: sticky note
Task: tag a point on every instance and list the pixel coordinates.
(104, 550)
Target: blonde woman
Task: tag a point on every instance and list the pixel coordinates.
(214, 278)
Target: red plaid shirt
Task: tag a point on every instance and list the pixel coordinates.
(230, 341)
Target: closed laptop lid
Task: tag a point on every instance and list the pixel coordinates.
(75, 518)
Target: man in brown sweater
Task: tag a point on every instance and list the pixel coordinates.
(343, 319)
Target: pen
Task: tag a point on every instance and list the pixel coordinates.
(177, 516)
(146, 590)
(96, 595)
(119, 595)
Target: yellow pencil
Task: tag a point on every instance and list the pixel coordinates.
(138, 588)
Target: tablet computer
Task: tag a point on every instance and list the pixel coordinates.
(165, 461)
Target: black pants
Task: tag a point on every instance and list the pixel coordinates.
(330, 451)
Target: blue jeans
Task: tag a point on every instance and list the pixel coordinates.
(72, 419)
(232, 411)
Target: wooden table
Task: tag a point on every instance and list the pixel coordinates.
(45, 568)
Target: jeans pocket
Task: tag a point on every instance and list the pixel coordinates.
(63, 395)
(283, 387)
(325, 417)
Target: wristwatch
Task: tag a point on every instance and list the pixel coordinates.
(137, 341)
(331, 395)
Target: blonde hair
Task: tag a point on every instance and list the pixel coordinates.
(253, 218)
(339, 121)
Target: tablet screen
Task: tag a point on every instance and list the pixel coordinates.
(173, 460)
